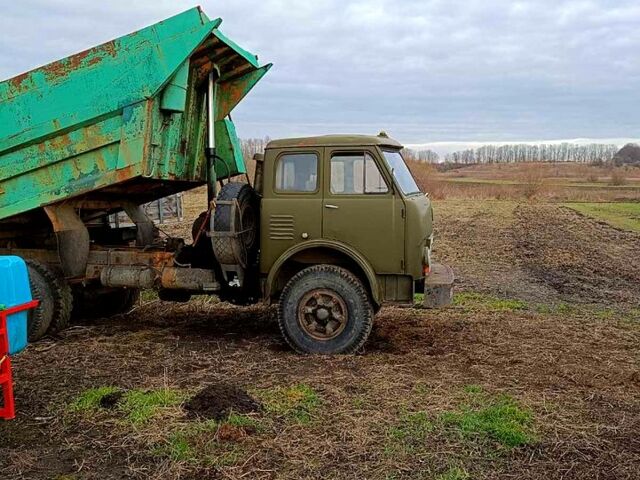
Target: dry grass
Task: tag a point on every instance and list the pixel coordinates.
(533, 373)
(618, 177)
(533, 180)
(526, 181)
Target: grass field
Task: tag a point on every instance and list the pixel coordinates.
(531, 373)
(625, 216)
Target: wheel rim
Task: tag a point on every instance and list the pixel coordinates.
(322, 314)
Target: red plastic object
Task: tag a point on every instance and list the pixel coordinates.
(8, 411)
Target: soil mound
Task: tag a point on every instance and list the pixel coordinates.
(218, 400)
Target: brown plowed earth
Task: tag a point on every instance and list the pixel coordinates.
(579, 372)
(539, 252)
(579, 257)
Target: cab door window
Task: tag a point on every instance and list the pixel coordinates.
(297, 172)
(355, 173)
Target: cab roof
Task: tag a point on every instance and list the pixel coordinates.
(335, 140)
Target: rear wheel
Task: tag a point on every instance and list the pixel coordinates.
(53, 292)
(325, 309)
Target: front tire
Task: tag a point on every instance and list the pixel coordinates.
(325, 310)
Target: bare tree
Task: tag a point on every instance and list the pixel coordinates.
(562, 152)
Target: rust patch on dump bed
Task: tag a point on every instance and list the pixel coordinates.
(61, 69)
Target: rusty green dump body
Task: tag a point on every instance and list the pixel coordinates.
(124, 119)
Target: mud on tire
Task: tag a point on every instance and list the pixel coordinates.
(53, 292)
(341, 295)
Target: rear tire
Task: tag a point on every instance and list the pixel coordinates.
(53, 292)
(325, 310)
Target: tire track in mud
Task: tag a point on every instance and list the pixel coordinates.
(478, 241)
(580, 258)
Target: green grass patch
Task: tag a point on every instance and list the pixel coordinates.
(92, 399)
(244, 421)
(147, 296)
(409, 434)
(203, 443)
(186, 442)
(623, 215)
(196, 444)
(454, 473)
(500, 419)
(139, 405)
(633, 315)
(297, 402)
(473, 300)
(473, 389)
(561, 308)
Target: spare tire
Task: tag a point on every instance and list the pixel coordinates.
(235, 225)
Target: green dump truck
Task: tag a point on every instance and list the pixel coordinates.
(332, 228)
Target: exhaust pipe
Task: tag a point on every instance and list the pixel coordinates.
(170, 278)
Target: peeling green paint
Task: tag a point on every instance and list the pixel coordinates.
(130, 108)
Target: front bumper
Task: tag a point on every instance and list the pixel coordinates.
(438, 286)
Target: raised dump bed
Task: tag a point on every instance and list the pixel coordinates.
(126, 120)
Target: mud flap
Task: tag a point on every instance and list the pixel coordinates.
(438, 286)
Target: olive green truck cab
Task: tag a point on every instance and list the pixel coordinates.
(344, 229)
(330, 229)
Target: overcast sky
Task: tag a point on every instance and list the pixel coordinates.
(423, 70)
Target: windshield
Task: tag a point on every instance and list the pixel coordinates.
(401, 172)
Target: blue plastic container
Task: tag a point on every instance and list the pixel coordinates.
(15, 290)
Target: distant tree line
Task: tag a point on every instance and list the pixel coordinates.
(513, 153)
(427, 156)
(561, 152)
(251, 146)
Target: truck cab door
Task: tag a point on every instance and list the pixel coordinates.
(291, 207)
(360, 208)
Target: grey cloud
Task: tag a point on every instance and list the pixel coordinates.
(422, 70)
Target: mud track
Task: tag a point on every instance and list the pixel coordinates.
(540, 253)
(580, 258)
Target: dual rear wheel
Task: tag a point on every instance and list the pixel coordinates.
(59, 303)
(54, 310)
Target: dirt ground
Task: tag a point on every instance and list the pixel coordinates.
(548, 312)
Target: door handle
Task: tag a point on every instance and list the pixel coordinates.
(328, 205)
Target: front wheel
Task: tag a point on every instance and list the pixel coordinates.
(325, 310)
